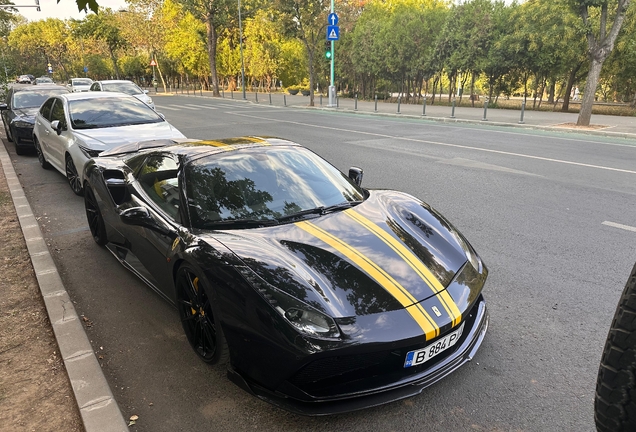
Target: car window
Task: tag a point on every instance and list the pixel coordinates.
(159, 179)
(128, 88)
(57, 113)
(34, 98)
(106, 112)
(263, 184)
(45, 110)
(82, 81)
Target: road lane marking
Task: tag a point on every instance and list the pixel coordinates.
(184, 107)
(168, 108)
(201, 106)
(465, 147)
(620, 226)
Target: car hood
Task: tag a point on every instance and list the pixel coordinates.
(27, 114)
(333, 261)
(108, 138)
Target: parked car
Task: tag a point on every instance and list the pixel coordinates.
(124, 86)
(71, 128)
(43, 80)
(79, 84)
(325, 297)
(18, 112)
(23, 79)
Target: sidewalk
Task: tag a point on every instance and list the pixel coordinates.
(602, 125)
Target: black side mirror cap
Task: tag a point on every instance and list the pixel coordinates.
(355, 174)
(3, 106)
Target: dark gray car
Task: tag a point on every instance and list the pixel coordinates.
(18, 112)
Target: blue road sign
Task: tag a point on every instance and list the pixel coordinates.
(50, 69)
(85, 69)
(332, 19)
(333, 33)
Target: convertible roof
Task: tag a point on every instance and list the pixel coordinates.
(193, 148)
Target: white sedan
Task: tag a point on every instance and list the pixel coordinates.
(72, 128)
(124, 86)
(79, 84)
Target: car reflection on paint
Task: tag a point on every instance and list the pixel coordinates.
(321, 296)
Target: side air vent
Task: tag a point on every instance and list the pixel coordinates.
(116, 183)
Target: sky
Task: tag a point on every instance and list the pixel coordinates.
(65, 9)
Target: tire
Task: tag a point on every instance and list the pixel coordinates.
(94, 217)
(6, 131)
(200, 318)
(615, 402)
(73, 177)
(43, 163)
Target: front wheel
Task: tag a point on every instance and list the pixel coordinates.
(73, 177)
(43, 162)
(94, 216)
(615, 402)
(199, 318)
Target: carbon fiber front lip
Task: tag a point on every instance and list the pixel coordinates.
(411, 386)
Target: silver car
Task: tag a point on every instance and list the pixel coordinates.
(79, 84)
(124, 86)
(72, 128)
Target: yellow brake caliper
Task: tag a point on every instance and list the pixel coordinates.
(195, 282)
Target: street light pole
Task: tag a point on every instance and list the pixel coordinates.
(332, 87)
(241, 45)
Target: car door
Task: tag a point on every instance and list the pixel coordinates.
(157, 189)
(56, 144)
(41, 128)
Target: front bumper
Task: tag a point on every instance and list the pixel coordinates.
(23, 136)
(394, 385)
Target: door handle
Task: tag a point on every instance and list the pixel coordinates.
(46, 131)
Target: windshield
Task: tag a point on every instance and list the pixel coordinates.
(110, 112)
(33, 99)
(43, 80)
(82, 81)
(263, 184)
(128, 88)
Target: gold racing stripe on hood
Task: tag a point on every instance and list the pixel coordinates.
(423, 319)
(414, 262)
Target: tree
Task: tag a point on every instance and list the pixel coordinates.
(307, 21)
(104, 27)
(600, 45)
(215, 14)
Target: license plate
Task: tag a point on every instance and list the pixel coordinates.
(417, 357)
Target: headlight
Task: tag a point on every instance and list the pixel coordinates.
(301, 316)
(470, 253)
(90, 152)
(23, 124)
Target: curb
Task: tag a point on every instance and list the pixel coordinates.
(97, 406)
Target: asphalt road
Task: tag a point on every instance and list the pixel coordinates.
(537, 206)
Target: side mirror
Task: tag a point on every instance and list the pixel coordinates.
(3, 106)
(355, 174)
(145, 91)
(56, 126)
(140, 216)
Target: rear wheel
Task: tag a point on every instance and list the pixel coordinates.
(43, 163)
(199, 318)
(72, 176)
(615, 402)
(94, 216)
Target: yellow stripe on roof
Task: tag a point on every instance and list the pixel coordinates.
(414, 262)
(423, 319)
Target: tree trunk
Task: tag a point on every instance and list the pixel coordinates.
(211, 34)
(165, 90)
(114, 60)
(551, 91)
(585, 114)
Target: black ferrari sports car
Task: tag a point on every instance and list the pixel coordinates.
(321, 296)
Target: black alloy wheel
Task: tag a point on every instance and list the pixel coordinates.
(73, 177)
(94, 216)
(200, 323)
(43, 163)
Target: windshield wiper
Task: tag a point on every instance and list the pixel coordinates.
(322, 210)
(240, 223)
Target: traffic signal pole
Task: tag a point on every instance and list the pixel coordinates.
(332, 87)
